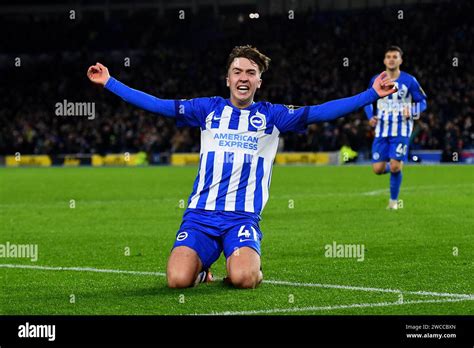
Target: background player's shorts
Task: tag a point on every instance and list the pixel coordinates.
(386, 148)
(210, 232)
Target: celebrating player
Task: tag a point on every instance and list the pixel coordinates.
(392, 117)
(239, 140)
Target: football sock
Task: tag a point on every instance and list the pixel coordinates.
(395, 183)
(201, 278)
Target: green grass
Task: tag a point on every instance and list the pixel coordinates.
(410, 249)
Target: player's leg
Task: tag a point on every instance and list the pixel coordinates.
(398, 154)
(380, 157)
(395, 182)
(193, 253)
(381, 167)
(241, 245)
(243, 268)
(183, 267)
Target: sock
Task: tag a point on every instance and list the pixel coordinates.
(395, 183)
(201, 278)
(387, 168)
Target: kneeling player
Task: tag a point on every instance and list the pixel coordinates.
(239, 141)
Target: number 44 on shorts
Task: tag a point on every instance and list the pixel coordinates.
(401, 149)
(245, 232)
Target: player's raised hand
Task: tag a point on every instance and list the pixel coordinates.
(373, 121)
(98, 73)
(383, 85)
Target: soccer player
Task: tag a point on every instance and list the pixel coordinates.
(392, 117)
(239, 140)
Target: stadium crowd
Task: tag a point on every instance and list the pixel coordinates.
(173, 58)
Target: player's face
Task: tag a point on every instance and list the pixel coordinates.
(392, 60)
(243, 79)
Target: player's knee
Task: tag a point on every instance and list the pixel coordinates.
(395, 167)
(179, 280)
(379, 170)
(244, 279)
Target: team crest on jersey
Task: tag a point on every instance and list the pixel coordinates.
(258, 121)
(376, 156)
(403, 91)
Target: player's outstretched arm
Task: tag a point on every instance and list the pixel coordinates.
(369, 109)
(381, 87)
(99, 74)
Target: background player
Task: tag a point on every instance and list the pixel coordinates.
(392, 117)
(239, 140)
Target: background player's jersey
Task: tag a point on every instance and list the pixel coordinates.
(238, 147)
(389, 110)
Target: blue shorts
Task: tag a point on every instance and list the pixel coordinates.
(386, 148)
(210, 232)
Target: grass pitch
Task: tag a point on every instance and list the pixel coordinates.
(417, 260)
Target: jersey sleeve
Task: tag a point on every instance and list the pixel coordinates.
(165, 107)
(419, 96)
(288, 118)
(339, 107)
(416, 91)
(192, 112)
(370, 109)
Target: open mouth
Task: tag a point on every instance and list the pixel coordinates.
(243, 88)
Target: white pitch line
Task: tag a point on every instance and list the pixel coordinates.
(330, 308)
(272, 282)
(376, 192)
(83, 269)
(360, 288)
(413, 188)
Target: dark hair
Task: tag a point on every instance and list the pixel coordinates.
(251, 53)
(394, 48)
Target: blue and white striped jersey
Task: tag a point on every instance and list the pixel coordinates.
(238, 147)
(389, 110)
